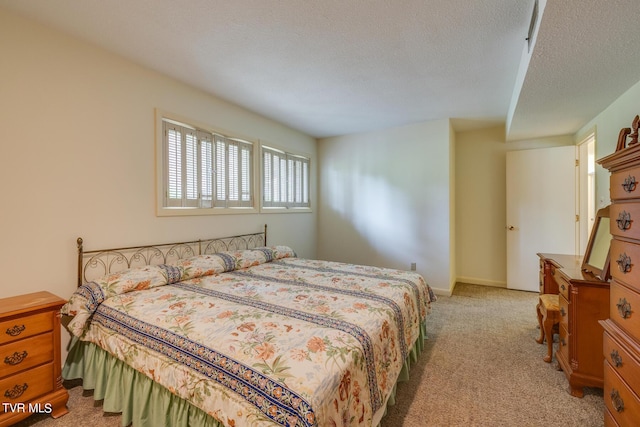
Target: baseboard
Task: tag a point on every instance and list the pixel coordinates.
(442, 292)
(484, 282)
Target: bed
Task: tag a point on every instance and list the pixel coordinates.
(232, 332)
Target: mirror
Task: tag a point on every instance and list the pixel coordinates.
(596, 257)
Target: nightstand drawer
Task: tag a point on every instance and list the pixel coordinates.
(24, 354)
(28, 385)
(621, 402)
(26, 326)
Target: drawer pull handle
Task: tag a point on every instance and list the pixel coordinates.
(616, 358)
(15, 330)
(624, 308)
(16, 358)
(16, 391)
(624, 221)
(629, 184)
(562, 312)
(616, 400)
(563, 287)
(624, 263)
(563, 342)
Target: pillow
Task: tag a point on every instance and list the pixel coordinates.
(86, 299)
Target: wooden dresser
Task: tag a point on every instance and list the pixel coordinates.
(584, 301)
(622, 330)
(30, 357)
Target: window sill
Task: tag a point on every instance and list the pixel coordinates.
(162, 211)
(285, 210)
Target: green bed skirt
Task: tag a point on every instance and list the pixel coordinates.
(142, 401)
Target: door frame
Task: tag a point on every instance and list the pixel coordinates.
(586, 194)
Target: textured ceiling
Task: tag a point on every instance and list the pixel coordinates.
(584, 58)
(335, 67)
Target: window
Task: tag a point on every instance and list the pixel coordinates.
(285, 179)
(205, 170)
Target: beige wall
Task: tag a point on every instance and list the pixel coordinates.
(77, 139)
(480, 164)
(608, 123)
(481, 207)
(386, 199)
(480, 181)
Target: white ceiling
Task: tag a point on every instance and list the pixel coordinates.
(335, 67)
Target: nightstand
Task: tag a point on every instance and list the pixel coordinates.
(30, 357)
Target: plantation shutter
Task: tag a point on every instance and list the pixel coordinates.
(173, 164)
(233, 159)
(285, 179)
(192, 196)
(206, 169)
(181, 166)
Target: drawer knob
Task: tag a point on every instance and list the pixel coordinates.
(16, 391)
(563, 312)
(563, 287)
(624, 263)
(616, 400)
(624, 308)
(563, 342)
(624, 220)
(15, 330)
(616, 358)
(629, 184)
(16, 358)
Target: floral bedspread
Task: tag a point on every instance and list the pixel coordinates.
(260, 337)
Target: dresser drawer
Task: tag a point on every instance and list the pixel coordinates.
(564, 312)
(625, 262)
(563, 343)
(621, 361)
(26, 326)
(622, 184)
(625, 220)
(609, 421)
(26, 353)
(624, 308)
(621, 402)
(27, 385)
(563, 285)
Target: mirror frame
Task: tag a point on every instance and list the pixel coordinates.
(603, 274)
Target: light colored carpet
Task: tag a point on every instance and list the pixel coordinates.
(481, 367)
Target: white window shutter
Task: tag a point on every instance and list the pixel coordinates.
(285, 179)
(205, 170)
(172, 165)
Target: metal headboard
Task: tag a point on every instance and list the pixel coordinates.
(97, 263)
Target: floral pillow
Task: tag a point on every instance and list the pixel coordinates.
(86, 299)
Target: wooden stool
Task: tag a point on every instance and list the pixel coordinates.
(548, 310)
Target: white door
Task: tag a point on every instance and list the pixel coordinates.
(541, 210)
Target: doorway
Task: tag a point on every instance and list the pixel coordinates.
(587, 188)
(541, 210)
